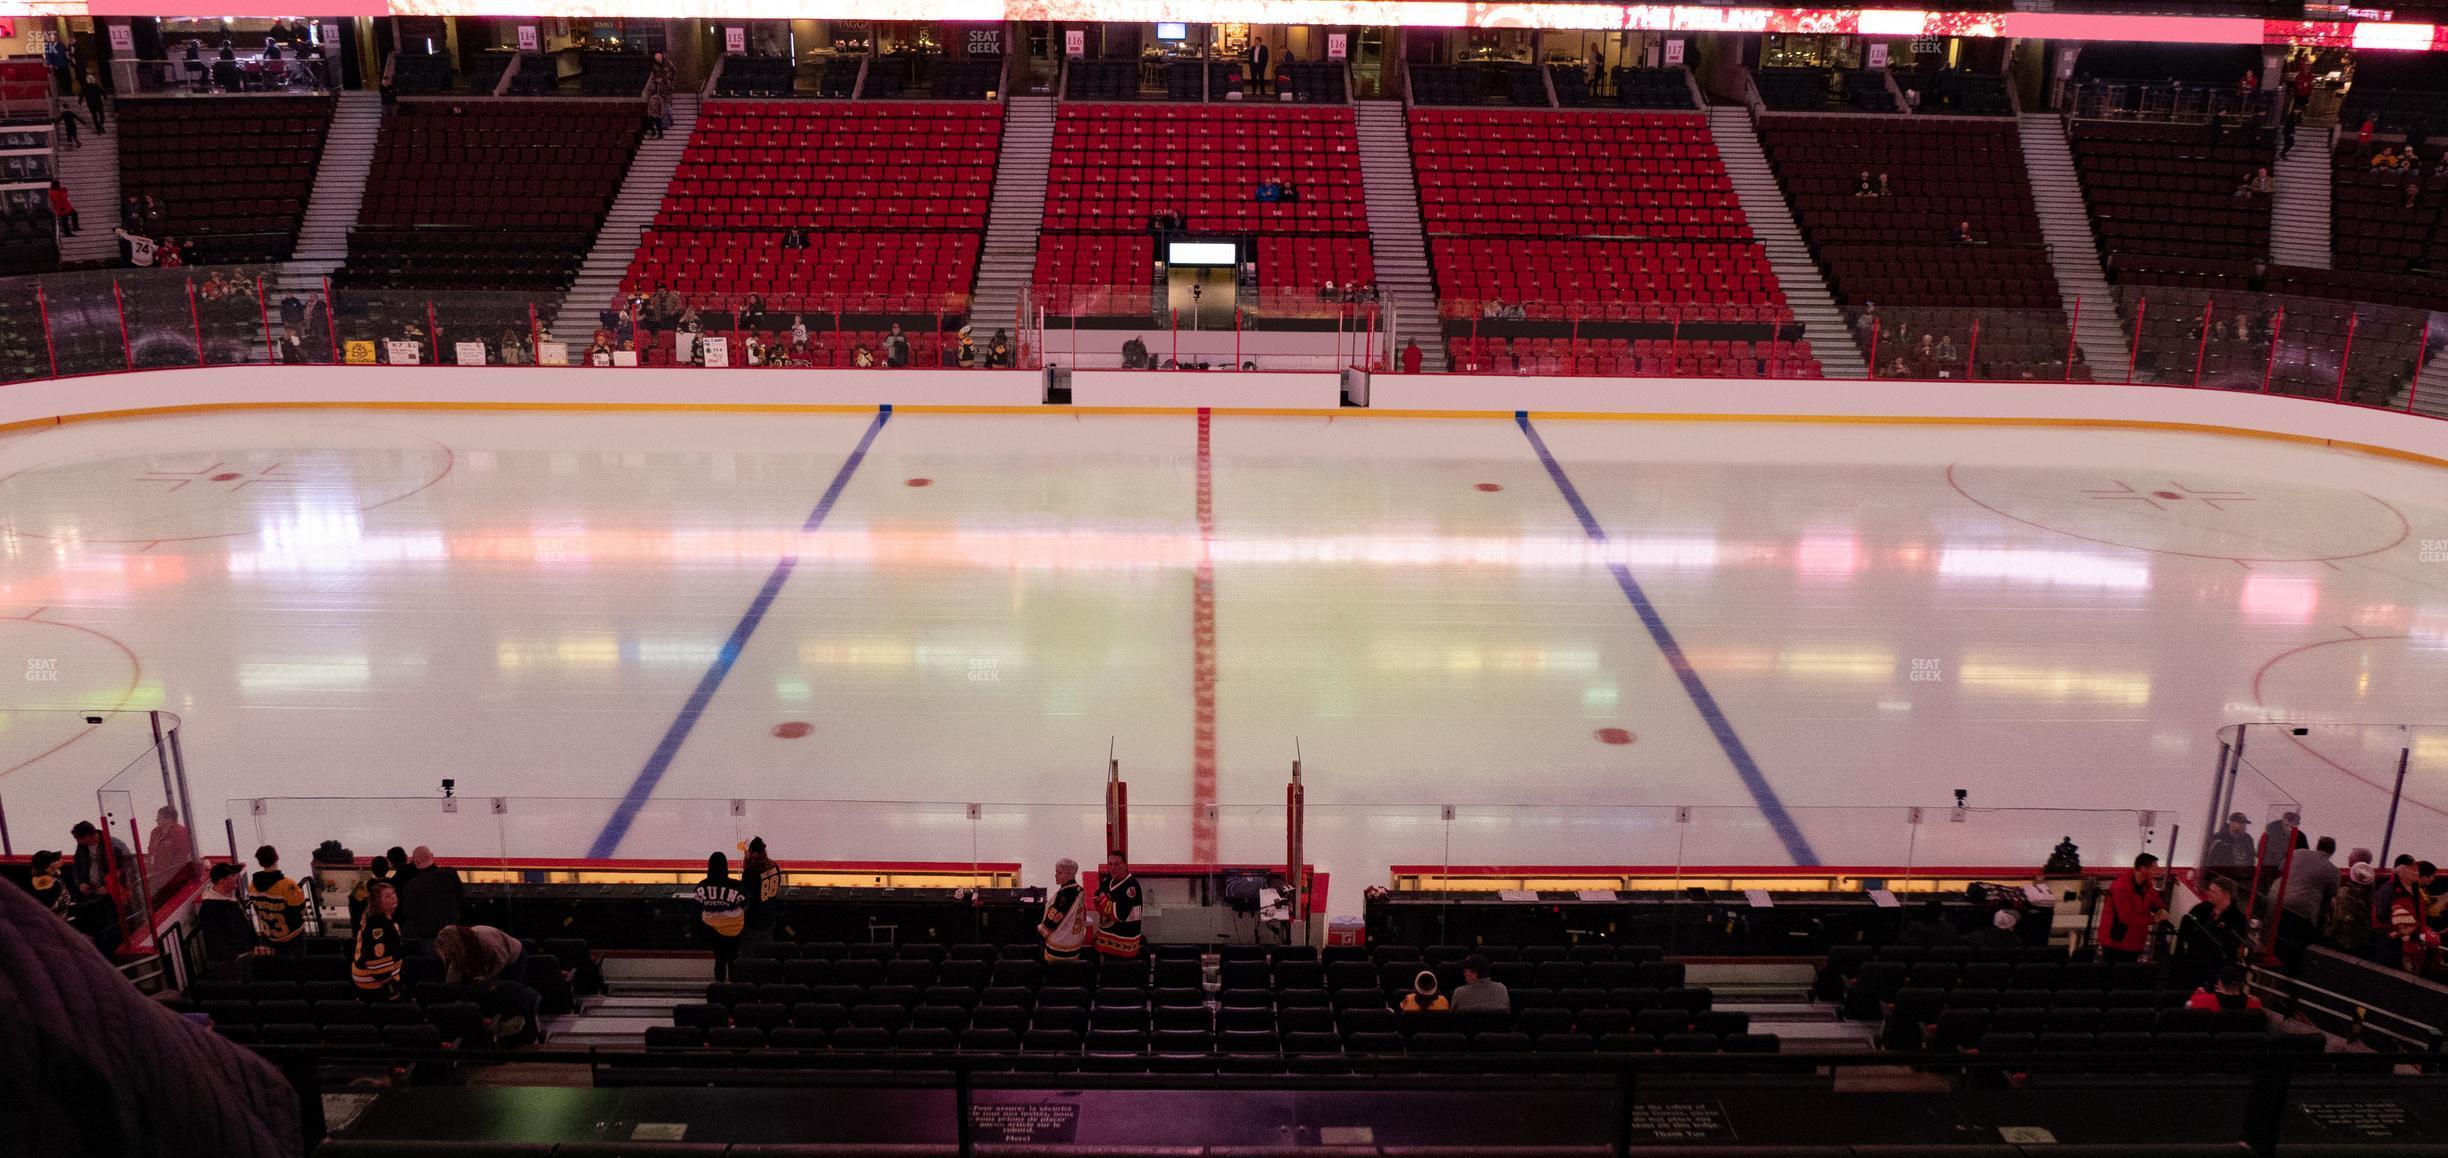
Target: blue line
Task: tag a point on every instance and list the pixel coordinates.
(1744, 766)
(656, 765)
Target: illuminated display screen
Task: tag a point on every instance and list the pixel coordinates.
(1202, 253)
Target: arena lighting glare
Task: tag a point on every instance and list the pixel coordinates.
(1880, 22)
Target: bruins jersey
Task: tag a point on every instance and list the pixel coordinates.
(280, 906)
(374, 964)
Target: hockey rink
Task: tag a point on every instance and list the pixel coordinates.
(1599, 642)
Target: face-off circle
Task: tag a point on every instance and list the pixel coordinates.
(157, 491)
(2197, 516)
(2376, 678)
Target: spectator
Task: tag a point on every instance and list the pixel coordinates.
(661, 76)
(375, 956)
(2413, 192)
(600, 354)
(280, 906)
(2213, 935)
(168, 849)
(513, 348)
(1259, 73)
(998, 351)
(1863, 186)
(1287, 193)
(489, 961)
(93, 101)
(1411, 356)
(97, 882)
(2435, 895)
(1134, 354)
(429, 898)
(1477, 992)
(658, 106)
(761, 880)
(221, 918)
(1931, 929)
(966, 355)
(2130, 910)
(46, 883)
(721, 915)
(1270, 191)
(1884, 189)
(798, 334)
(755, 350)
(1119, 908)
(2262, 183)
(1424, 997)
(63, 210)
(2347, 928)
(860, 357)
(476, 954)
(2224, 992)
(2311, 887)
(2231, 852)
(2412, 941)
(2000, 933)
(170, 254)
(752, 312)
(1963, 234)
(896, 348)
(1330, 291)
(1063, 927)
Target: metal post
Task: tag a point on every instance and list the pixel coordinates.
(2133, 353)
(1874, 340)
(1972, 353)
(2277, 325)
(229, 832)
(1295, 855)
(2228, 755)
(127, 345)
(2388, 835)
(195, 318)
(2201, 351)
(331, 322)
(2074, 325)
(263, 313)
(161, 756)
(178, 769)
(2346, 356)
(43, 304)
(144, 889)
(1117, 809)
(2414, 384)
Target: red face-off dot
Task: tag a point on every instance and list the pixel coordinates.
(2170, 496)
(1614, 736)
(1491, 488)
(225, 476)
(792, 730)
(919, 482)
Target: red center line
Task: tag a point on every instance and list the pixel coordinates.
(1203, 665)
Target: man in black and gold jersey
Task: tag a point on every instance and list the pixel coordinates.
(374, 962)
(1118, 908)
(280, 906)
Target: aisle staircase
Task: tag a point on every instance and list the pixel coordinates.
(91, 173)
(641, 992)
(1007, 263)
(2431, 388)
(1772, 222)
(339, 191)
(1398, 244)
(2299, 209)
(1778, 997)
(2073, 250)
(633, 209)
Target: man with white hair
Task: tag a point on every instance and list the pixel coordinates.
(1064, 927)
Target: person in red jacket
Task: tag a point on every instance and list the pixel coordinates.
(1411, 357)
(2225, 992)
(2130, 910)
(63, 210)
